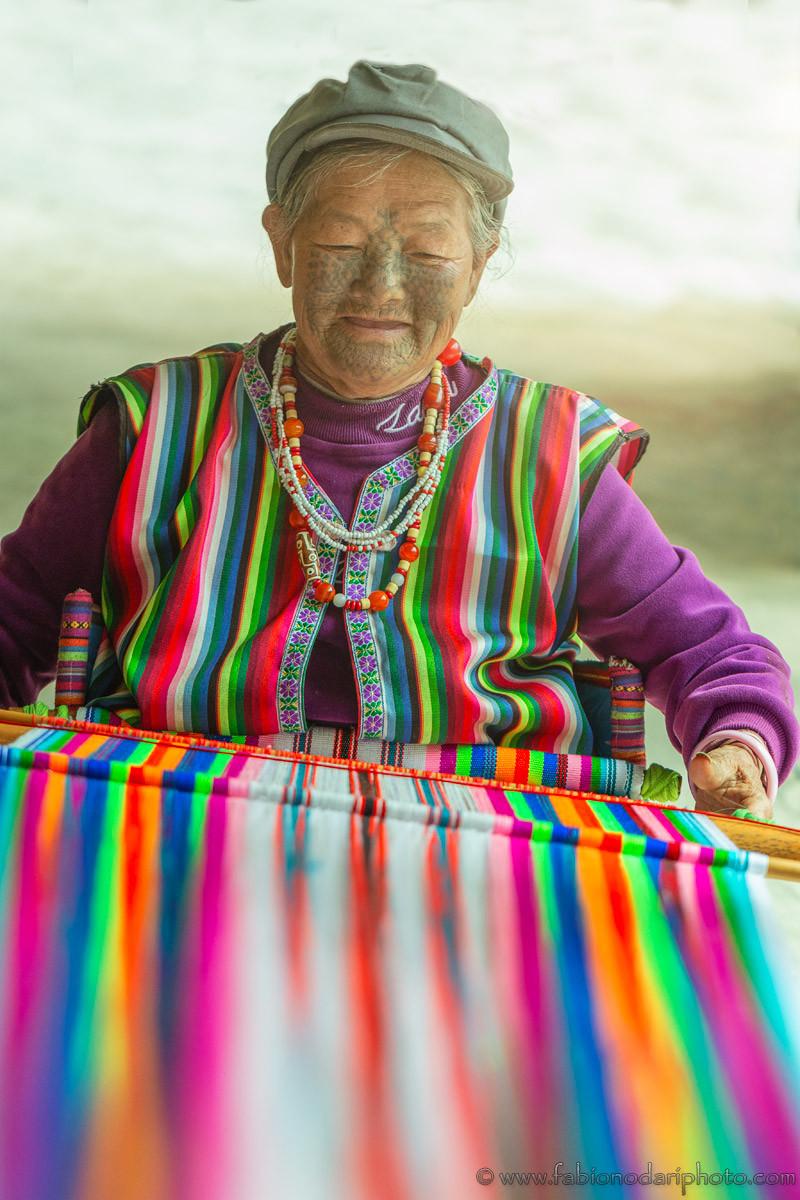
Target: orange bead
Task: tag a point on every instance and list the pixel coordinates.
(427, 442)
(378, 601)
(297, 520)
(302, 477)
(324, 592)
(433, 397)
(293, 427)
(408, 552)
(451, 353)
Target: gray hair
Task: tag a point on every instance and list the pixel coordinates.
(485, 228)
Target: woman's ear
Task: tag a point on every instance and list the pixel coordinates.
(274, 223)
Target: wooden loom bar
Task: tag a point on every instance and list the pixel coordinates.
(11, 723)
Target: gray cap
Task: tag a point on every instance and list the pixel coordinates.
(404, 105)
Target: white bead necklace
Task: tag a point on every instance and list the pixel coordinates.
(334, 533)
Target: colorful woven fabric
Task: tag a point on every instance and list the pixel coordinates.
(228, 976)
(496, 763)
(477, 648)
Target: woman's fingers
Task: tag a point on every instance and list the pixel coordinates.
(728, 778)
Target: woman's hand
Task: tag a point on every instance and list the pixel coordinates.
(729, 777)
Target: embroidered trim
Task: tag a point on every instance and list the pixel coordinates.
(378, 495)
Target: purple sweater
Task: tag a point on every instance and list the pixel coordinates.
(638, 596)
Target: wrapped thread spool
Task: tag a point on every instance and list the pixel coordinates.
(73, 649)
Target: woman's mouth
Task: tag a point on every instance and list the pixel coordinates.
(375, 325)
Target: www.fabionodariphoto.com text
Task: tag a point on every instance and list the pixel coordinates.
(582, 1176)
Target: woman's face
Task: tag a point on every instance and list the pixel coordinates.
(380, 272)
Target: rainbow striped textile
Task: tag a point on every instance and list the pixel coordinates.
(498, 764)
(231, 975)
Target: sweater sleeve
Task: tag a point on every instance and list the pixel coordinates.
(59, 546)
(643, 599)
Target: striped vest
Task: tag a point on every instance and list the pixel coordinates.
(210, 624)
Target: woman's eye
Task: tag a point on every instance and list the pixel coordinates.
(424, 256)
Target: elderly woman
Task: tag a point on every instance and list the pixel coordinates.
(350, 522)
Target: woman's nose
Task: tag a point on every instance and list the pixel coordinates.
(381, 277)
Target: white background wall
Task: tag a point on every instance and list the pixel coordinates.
(656, 144)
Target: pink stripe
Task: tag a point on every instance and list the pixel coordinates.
(201, 1076)
(748, 1060)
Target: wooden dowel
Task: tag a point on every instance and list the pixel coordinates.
(15, 716)
(13, 724)
(784, 868)
(775, 840)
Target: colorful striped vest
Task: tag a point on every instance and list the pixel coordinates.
(210, 624)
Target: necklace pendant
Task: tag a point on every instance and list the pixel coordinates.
(307, 554)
